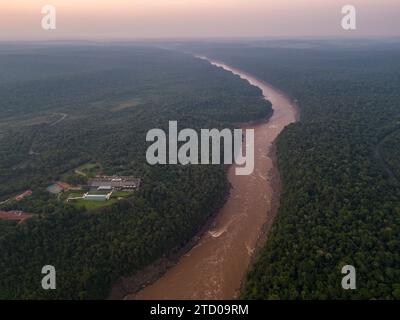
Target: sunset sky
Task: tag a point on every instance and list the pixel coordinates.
(137, 19)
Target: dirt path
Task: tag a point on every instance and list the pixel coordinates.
(31, 152)
(63, 116)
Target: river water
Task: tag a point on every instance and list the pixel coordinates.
(215, 267)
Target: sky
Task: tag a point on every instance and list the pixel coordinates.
(140, 19)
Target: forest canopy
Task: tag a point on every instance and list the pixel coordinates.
(111, 97)
(340, 203)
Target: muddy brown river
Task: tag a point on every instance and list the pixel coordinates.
(215, 266)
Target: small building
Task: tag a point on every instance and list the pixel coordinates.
(60, 186)
(23, 195)
(104, 188)
(115, 183)
(55, 188)
(19, 216)
(97, 197)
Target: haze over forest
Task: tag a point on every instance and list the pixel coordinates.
(79, 194)
(137, 19)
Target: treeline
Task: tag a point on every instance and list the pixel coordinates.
(108, 125)
(92, 250)
(390, 150)
(97, 127)
(339, 206)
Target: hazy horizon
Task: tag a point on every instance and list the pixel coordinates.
(196, 19)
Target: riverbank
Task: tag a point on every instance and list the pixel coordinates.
(216, 265)
(130, 285)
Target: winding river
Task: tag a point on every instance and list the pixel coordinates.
(215, 266)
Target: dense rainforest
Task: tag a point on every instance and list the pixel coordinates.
(340, 167)
(64, 106)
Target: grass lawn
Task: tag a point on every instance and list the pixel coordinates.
(99, 192)
(88, 166)
(88, 204)
(121, 194)
(88, 169)
(74, 194)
